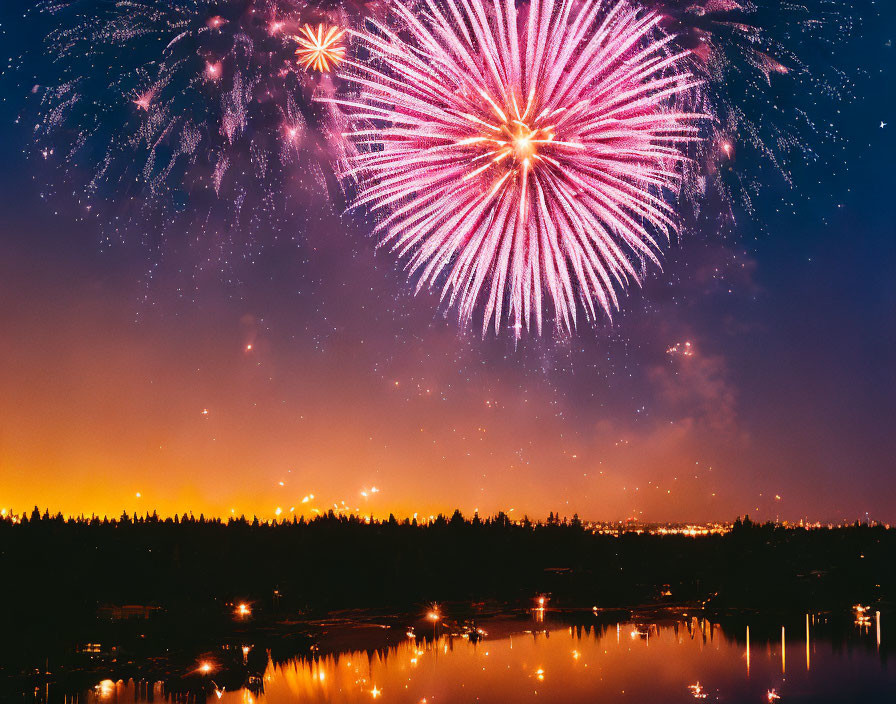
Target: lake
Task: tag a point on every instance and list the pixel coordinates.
(543, 656)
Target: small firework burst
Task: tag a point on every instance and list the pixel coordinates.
(320, 48)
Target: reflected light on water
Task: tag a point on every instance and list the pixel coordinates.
(697, 691)
(807, 642)
(783, 652)
(557, 663)
(105, 690)
(584, 664)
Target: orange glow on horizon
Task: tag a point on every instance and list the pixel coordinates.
(178, 410)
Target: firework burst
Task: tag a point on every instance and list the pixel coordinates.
(320, 49)
(522, 161)
(186, 112)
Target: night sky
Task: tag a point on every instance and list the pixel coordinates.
(756, 373)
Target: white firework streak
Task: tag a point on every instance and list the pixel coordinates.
(521, 159)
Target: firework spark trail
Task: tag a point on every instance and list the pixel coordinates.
(521, 159)
(748, 53)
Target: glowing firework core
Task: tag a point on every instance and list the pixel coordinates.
(320, 49)
(524, 142)
(518, 135)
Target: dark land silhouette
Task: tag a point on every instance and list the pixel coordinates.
(58, 567)
(172, 586)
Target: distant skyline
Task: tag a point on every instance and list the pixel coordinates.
(755, 374)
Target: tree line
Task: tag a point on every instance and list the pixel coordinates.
(55, 565)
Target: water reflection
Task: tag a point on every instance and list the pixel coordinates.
(542, 660)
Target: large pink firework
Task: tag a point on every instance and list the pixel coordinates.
(527, 162)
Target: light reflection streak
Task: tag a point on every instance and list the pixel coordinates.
(783, 652)
(807, 642)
